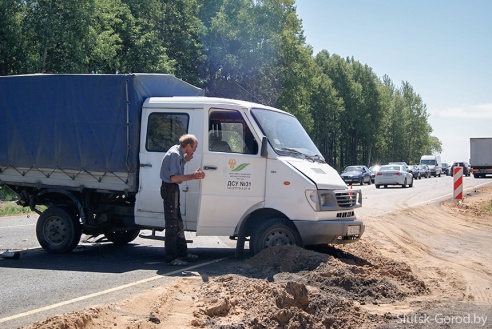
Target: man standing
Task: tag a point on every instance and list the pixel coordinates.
(172, 174)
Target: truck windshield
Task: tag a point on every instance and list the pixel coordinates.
(428, 162)
(286, 135)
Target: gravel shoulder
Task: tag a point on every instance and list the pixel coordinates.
(426, 267)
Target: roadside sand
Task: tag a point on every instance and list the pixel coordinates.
(426, 267)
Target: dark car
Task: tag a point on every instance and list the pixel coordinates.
(466, 168)
(374, 170)
(445, 169)
(356, 174)
(415, 171)
(424, 171)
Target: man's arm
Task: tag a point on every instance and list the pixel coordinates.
(198, 174)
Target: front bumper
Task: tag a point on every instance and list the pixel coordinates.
(329, 231)
(351, 180)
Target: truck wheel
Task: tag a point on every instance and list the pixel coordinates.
(58, 231)
(273, 232)
(120, 238)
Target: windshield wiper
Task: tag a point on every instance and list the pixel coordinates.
(313, 158)
(288, 149)
(316, 157)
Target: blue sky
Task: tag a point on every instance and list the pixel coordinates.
(443, 48)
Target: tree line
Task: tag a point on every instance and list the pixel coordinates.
(253, 50)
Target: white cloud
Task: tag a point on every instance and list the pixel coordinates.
(478, 111)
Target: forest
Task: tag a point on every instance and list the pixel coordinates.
(253, 50)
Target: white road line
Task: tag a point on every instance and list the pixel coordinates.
(450, 195)
(100, 293)
(17, 226)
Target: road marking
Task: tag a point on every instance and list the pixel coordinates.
(450, 195)
(104, 292)
(17, 226)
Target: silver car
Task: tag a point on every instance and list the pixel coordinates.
(393, 175)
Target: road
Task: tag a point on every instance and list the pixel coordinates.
(39, 285)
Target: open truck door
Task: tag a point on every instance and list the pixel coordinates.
(161, 129)
(235, 172)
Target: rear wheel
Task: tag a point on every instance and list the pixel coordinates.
(121, 237)
(377, 185)
(274, 232)
(58, 230)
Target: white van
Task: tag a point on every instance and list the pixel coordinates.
(434, 163)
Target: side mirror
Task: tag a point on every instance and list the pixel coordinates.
(264, 147)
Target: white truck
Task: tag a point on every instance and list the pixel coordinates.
(89, 148)
(434, 163)
(481, 156)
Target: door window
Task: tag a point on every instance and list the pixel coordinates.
(228, 132)
(164, 130)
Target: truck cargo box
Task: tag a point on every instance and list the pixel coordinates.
(80, 131)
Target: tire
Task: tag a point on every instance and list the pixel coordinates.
(411, 183)
(58, 230)
(377, 185)
(361, 182)
(369, 181)
(120, 238)
(273, 232)
(404, 183)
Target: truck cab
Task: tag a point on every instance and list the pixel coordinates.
(265, 178)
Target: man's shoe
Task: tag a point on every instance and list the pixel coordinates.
(178, 262)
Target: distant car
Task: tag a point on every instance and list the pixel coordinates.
(424, 171)
(393, 175)
(356, 174)
(400, 163)
(465, 165)
(415, 171)
(374, 169)
(445, 168)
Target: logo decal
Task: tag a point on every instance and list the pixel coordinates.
(239, 178)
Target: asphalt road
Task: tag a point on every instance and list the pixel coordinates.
(39, 285)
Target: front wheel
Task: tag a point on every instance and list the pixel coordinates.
(273, 232)
(58, 230)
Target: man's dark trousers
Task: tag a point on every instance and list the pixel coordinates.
(175, 241)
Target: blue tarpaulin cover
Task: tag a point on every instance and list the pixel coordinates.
(78, 122)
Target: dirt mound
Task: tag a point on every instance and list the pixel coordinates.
(306, 289)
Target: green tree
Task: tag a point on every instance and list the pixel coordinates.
(143, 47)
(181, 32)
(12, 41)
(58, 35)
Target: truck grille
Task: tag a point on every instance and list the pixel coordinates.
(347, 199)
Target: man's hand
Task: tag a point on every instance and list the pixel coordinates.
(198, 174)
(188, 157)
